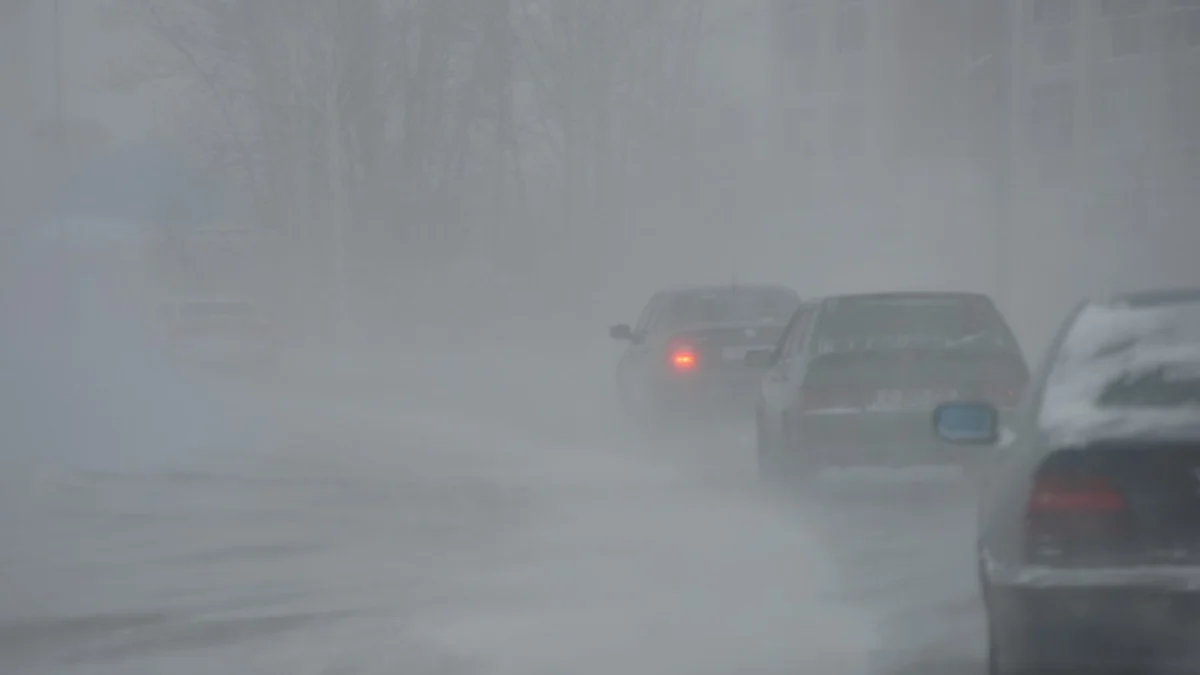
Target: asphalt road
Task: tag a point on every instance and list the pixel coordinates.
(485, 515)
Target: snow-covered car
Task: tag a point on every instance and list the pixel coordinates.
(685, 355)
(854, 378)
(228, 332)
(1089, 521)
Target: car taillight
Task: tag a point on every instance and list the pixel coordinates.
(682, 357)
(1071, 516)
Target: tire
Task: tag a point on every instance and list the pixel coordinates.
(770, 472)
(639, 410)
(997, 664)
(807, 467)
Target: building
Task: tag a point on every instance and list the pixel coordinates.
(875, 104)
(1078, 117)
(17, 92)
(1105, 149)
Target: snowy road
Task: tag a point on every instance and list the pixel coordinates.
(475, 520)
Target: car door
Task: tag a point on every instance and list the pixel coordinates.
(633, 360)
(782, 379)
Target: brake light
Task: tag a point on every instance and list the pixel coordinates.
(1052, 494)
(683, 358)
(1074, 516)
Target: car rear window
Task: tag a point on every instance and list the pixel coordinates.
(992, 375)
(1129, 357)
(912, 321)
(208, 310)
(732, 305)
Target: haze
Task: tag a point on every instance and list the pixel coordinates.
(444, 205)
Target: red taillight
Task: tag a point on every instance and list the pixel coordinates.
(682, 357)
(1053, 494)
(1073, 517)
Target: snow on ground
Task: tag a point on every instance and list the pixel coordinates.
(473, 512)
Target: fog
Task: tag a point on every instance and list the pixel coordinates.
(442, 206)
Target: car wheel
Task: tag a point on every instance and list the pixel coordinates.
(640, 408)
(999, 661)
(996, 665)
(770, 469)
(807, 465)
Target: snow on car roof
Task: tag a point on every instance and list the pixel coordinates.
(1106, 344)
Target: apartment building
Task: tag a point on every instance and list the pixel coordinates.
(1106, 150)
(18, 96)
(1080, 117)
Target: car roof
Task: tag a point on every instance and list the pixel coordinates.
(888, 295)
(1156, 297)
(1069, 415)
(714, 288)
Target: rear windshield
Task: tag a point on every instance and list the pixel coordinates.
(923, 377)
(916, 367)
(1129, 357)
(915, 321)
(732, 305)
(206, 310)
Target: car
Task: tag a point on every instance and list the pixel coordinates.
(1089, 516)
(684, 359)
(853, 379)
(225, 332)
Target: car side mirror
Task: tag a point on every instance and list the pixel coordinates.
(759, 358)
(967, 423)
(621, 332)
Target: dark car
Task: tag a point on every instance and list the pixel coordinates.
(1089, 522)
(686, 353)
(854, 379)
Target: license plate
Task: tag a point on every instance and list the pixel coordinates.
(736, 353)
(912, 399)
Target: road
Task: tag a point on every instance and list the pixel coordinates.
(479, 514)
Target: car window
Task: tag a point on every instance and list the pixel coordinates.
(212, 309)
(1122, 357)
(794, 341)
(732, 305)
(643, 321)
(656, 321)
(912, 321)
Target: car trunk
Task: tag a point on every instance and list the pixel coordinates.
(1133, 502)
(724, 348)
(911, 380)
(867, 400)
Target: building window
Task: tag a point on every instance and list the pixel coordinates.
(1055, 46)
(1122, 7)
(797, 130)
(1122, 116)
(851, 27)
(848, 125)
(797, 28)
(1184, 25)
(987, 28)
(1050, 12)
(1051, 118)
(1127, 35)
